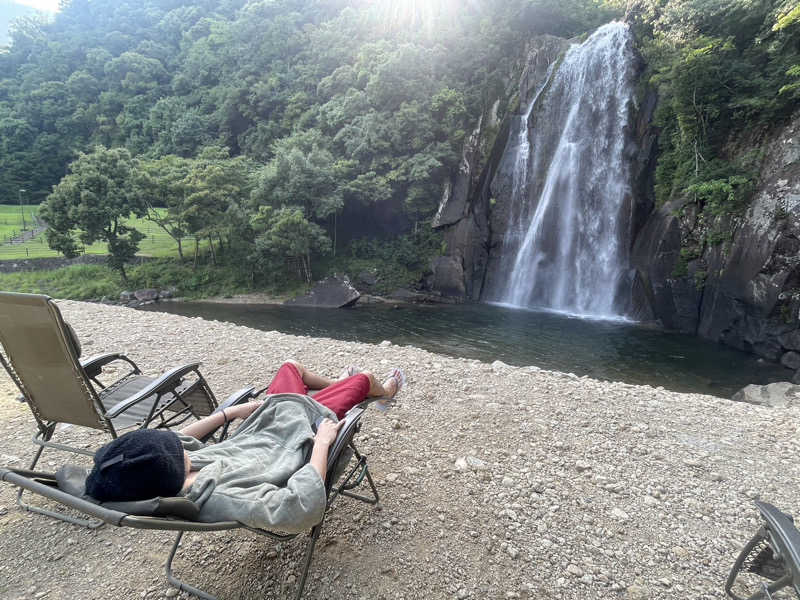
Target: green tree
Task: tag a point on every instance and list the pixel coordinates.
(93, 202)
(162, 184)
(286, 239)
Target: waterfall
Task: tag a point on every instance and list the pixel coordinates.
(566, 242)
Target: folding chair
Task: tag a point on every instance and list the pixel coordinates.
(67, 487)
(41, 354)
(768, 567)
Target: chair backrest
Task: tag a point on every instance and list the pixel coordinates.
(45, 363)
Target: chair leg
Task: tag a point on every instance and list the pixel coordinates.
(88, 523)
(309, 555)
(177, 583)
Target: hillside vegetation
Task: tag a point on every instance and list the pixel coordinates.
(282, 132)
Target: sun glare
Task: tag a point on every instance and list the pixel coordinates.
(416, 14)
(43, 5)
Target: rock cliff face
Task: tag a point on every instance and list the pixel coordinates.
(744, 293)
(467, 213)
(474, 212)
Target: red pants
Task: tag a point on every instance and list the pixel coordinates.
(340, 396)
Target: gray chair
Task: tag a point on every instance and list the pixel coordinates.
(41, 354)
(67, 488)
(768, 567)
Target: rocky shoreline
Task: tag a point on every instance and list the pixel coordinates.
(495, 482)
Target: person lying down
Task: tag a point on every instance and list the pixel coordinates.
(258, 476)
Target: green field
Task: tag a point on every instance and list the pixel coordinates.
(11, 219)
(156, 243)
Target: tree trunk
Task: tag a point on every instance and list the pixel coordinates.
(196, 252)
(180, 248)
(124, 275)
(213, 252)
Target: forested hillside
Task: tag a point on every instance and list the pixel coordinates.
(283, 128)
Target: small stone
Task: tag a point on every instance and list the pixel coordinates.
(385, 344)
(461, 464)
(507, 482)
(462, 593)
(636, 592)
(392, 477)
(650, 501)
(680, 552)
(171, 593)
(619, 514)
(476, 464)
(575, 571)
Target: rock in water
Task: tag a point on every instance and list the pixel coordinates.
(333, 292)
(778, 395)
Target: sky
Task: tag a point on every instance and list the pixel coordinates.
(46, 5)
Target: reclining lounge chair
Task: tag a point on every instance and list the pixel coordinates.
(768, 567)
(41, 354)
(178, 514)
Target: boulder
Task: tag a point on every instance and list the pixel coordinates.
(147, 295)
(126, 297)
(791, 360)
(791, 340)
(333, 292)
(367, 278)
(777, 395)
(448, 276)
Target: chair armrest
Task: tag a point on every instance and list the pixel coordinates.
(94, 364)
(237, 397)
(351, 426)
(164, 383)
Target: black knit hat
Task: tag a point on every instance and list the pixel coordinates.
(139, 465)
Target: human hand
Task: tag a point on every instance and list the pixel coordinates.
(242, 411)
(327, 432)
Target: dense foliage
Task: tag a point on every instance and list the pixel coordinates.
(278, 130)
(726, 71)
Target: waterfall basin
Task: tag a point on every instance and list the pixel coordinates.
(607, 349)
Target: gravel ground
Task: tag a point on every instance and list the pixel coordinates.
(495, 482)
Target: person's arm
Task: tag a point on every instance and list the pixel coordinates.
(214, 421)
(326, 435)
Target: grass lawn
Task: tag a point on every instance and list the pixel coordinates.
(157, 242)
(11, 219)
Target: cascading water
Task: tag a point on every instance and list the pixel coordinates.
(566, 242)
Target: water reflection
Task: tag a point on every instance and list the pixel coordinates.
(612, 350)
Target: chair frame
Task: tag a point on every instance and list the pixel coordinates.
(45, 484)
(779, 533)
(87, 372)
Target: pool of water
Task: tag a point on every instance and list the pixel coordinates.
(611, 350)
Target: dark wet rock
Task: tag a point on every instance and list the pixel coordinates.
(126, 297)
(791, 360)
(333, 292)
(146, 295)
(448, 276)
(367, 278)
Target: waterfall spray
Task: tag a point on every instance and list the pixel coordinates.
(566, 244)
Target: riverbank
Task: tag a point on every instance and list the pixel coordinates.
(495, 482)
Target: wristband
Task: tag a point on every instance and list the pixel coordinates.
(224, 416)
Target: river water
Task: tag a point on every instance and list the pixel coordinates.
(604, 349)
